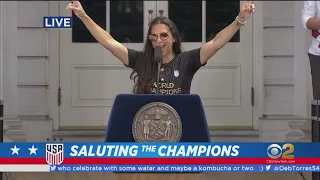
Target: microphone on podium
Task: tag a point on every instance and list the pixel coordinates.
(158, 59)
(158, 54)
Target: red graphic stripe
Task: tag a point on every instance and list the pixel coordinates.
(115, 161)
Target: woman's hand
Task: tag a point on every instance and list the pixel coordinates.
(246, 10)
(77, 9)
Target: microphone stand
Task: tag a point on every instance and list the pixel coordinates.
(158, 59)
(158, 76)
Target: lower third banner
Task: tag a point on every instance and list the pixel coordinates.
(160, 168)
(184, 168)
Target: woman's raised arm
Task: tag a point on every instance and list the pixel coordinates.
(102, 36)
(224, 36)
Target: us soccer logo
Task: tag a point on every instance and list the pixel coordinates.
(54, 154)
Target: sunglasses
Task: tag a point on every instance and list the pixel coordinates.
(155, 37)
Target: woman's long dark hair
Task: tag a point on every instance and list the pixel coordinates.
(145, 72)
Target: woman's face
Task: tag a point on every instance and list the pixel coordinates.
(161, 36)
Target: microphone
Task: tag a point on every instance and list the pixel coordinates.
(158, 59)
(158, 55)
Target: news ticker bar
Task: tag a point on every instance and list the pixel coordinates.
(159, 168)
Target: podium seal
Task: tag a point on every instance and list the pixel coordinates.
(157, 122)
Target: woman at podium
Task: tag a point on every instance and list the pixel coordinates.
(176, 68)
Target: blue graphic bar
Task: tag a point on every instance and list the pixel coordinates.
(57, 22)
(184, 168)
(162, 150)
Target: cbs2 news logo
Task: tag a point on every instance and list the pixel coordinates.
(275, 151)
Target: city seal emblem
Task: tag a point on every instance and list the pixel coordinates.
(157, 122)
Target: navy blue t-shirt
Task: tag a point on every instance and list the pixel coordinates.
(175, 76)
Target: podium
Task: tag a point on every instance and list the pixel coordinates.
(127, 108)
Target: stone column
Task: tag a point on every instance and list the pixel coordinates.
(5, 126)
(302, 102)
(8, 69)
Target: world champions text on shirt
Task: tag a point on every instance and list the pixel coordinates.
(175, 76)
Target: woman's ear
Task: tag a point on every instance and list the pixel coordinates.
(173, 39)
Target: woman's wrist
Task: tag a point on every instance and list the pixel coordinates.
(240, 22)
(84, 17)
(241, 18)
